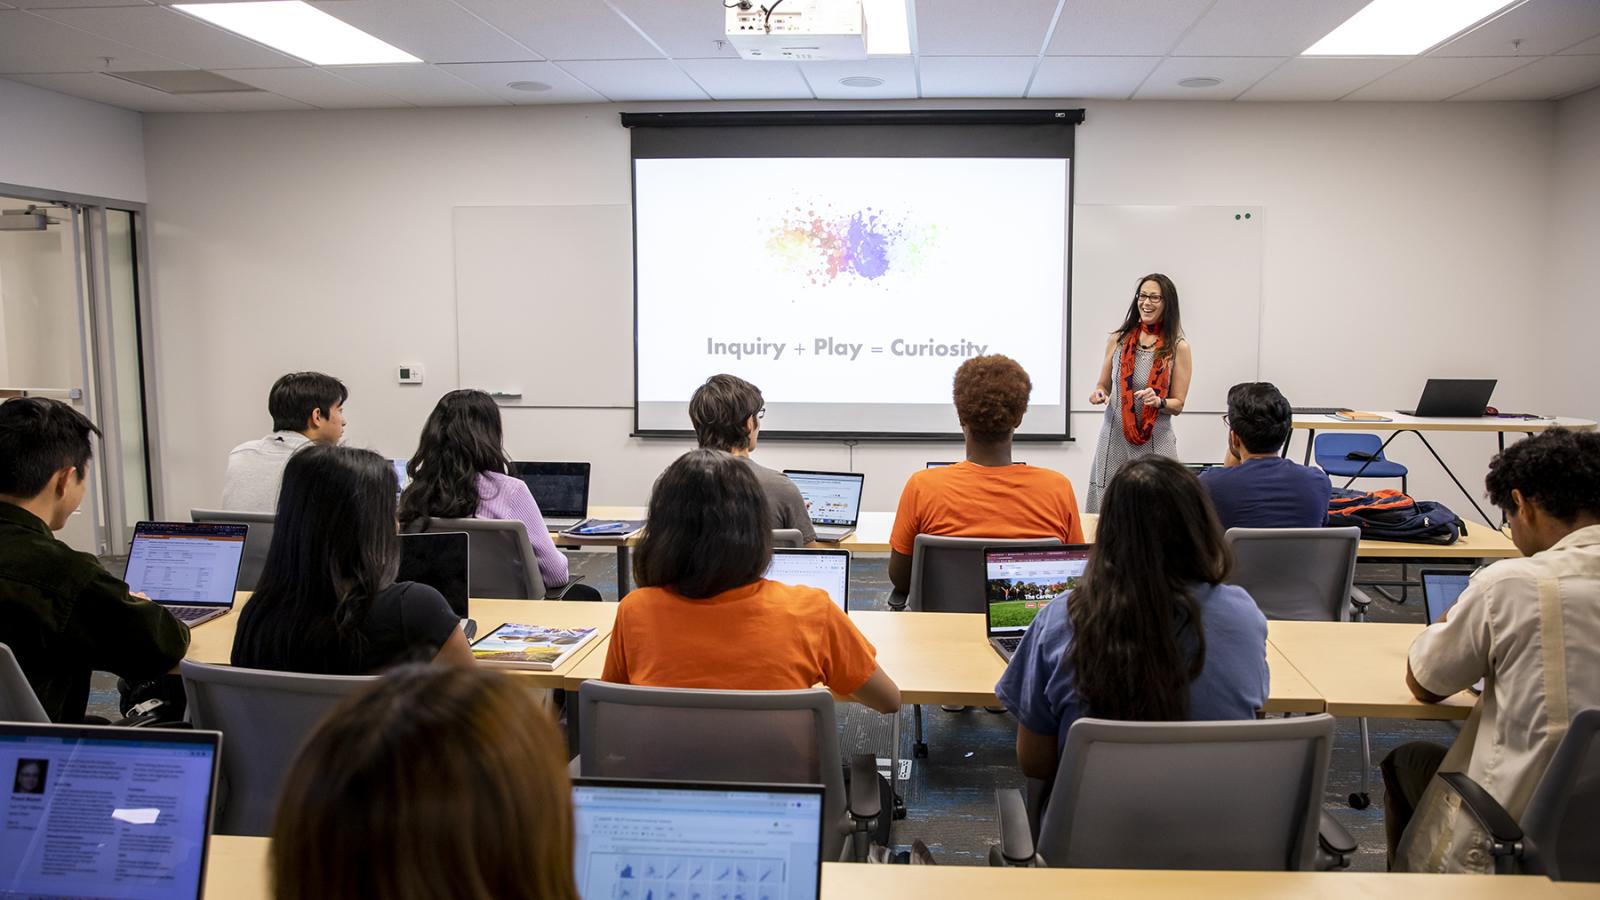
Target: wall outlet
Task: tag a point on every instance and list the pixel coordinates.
(410, 374)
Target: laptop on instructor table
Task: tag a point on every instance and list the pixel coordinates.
(191, 568)
(827, 570)
(560, 488)
(656, 840)
(1453, 398)
(96, 811)
(833, 500)
(1020, 584)
(1441, 588)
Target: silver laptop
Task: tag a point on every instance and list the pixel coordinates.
(106, 812)
(191, 568)
(1020, 584)
(560, 488)
(826, 570)
(1441, 588)
(833, 500)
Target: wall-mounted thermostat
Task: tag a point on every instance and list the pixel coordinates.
(410, 374)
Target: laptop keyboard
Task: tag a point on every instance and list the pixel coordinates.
(1315, 410)
(1009, 643)
(190, 613)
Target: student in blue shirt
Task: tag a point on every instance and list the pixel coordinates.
(1257, 488)
(1150, 634)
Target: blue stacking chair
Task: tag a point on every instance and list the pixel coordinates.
(1333, 455)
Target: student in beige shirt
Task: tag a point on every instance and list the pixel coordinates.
(1530, 628)
(305, 407)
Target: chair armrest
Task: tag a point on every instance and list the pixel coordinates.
(1334, 843)
(865, 801)
(1502, 829)
(1359, 601)
(1016, 840)
(898, 600)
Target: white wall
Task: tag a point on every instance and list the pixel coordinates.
(1402, 241)
(55, 142)
(1575, 254)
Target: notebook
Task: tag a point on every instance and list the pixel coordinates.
(443, 561)
(1441, 588)
(1020, 584)
(679, 840)
(560, 488)
(538, 647)
(827, 570)
(833, 500)
(191, 568)
(105, 812)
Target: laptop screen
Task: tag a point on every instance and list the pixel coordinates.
(667, 839)
(105, 812)
(832, 498)
(828, 570)
(1019, 584)
(186, 563)
(1440, 591)
(442, 561)
(560, 489)
(399, 466)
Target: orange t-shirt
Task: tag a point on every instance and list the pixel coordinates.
(969, 500)
(763, 636)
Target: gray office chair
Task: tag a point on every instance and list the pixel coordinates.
(1560, 829)
(780, 737)
(1308, 575)
(947, 575)
(503, 566)
(18, 702)
(1183, 795)
(266, 717)
(787, 537)
(256, 541)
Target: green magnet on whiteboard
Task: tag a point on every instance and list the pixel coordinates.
(1247, 215)
(1236, 217)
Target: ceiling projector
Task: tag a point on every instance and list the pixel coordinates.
(798, 30)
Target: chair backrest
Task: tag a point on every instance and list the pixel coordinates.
(788, 537)
(266, 717)
(18, 702)
(1562, 820)
(947, 573)
(256, 541)
(503, 566)
(779, 737)
(1297, 573)
(1337, 445)
(1188, 795)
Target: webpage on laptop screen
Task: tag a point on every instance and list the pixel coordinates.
(830, 501)
(1020, 585)
(824, 571)
(200, 570)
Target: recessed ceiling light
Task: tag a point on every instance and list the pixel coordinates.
(532, 87)
(1402, 27)
(301, 30)
(861, 81)
(888, 28)
(1202, 81)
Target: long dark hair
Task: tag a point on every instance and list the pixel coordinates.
(334, 548)
(1137, 639)
(1171, 322)
(461, 440)
(708, 529)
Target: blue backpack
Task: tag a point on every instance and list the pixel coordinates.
(1392, 516)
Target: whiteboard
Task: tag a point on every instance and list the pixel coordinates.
(544, 304)
(1213, 255)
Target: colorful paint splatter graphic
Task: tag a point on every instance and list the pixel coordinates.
(866, 244)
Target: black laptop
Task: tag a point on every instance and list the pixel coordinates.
(1453, 398)
(560, 488)
(441, 560)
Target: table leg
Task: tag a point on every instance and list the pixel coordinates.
(1464, 492)
(894, 772)
(1311, 440)
(624, 570)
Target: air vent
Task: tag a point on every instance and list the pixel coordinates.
(861, 81)
(1202, 81)
(186, 81)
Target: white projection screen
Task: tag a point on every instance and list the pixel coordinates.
(847, 263)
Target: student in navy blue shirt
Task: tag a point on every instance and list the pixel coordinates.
(1257, 488)
(1150, 633)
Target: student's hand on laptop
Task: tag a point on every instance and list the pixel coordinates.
(140, 594)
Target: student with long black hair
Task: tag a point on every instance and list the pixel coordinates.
(327, 602)
(1150, 634)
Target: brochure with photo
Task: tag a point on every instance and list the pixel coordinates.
(530, 646)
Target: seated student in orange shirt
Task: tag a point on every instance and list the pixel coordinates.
(985, 495)
(703, 617)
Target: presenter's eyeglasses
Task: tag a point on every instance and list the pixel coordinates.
(1148, 299)
(761, 413)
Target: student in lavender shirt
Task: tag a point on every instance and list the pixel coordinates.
(1151, 633)
(460, 472)
(1257, 488)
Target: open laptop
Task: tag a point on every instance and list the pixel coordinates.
(443, 561)
(1453, 398)
(827, 570)
(1019, 584)
(191, 568)
(833, 500)
(658, 840)
(560, 488)
(95, 811)
(399, 466)
(1441, 588)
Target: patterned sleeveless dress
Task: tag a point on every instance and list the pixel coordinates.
(1114, 451)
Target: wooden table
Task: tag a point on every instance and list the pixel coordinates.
(624, 545)
(1359, 668)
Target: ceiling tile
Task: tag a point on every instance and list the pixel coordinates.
(1545, 79)
(976, 76)
(686, 29)
(493, 77)
(1590, 46)
(742, 79)
(1265, 27)
(250, 101)
(1123, 28)
(1237, 74)
(1436, 77)
(420, 85)
(964, 28)
(166, 32)
(1321, 77)
(1543, 26)
(433, 30)
(1091, 77)
(29, 43)
(898, 74)
(70, 4)
(318, 87)
(565, 29)
(635, 79)
(115, 91)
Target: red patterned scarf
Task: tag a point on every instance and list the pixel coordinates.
(1138, 428)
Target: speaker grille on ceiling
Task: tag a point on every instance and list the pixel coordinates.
(185, 81)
